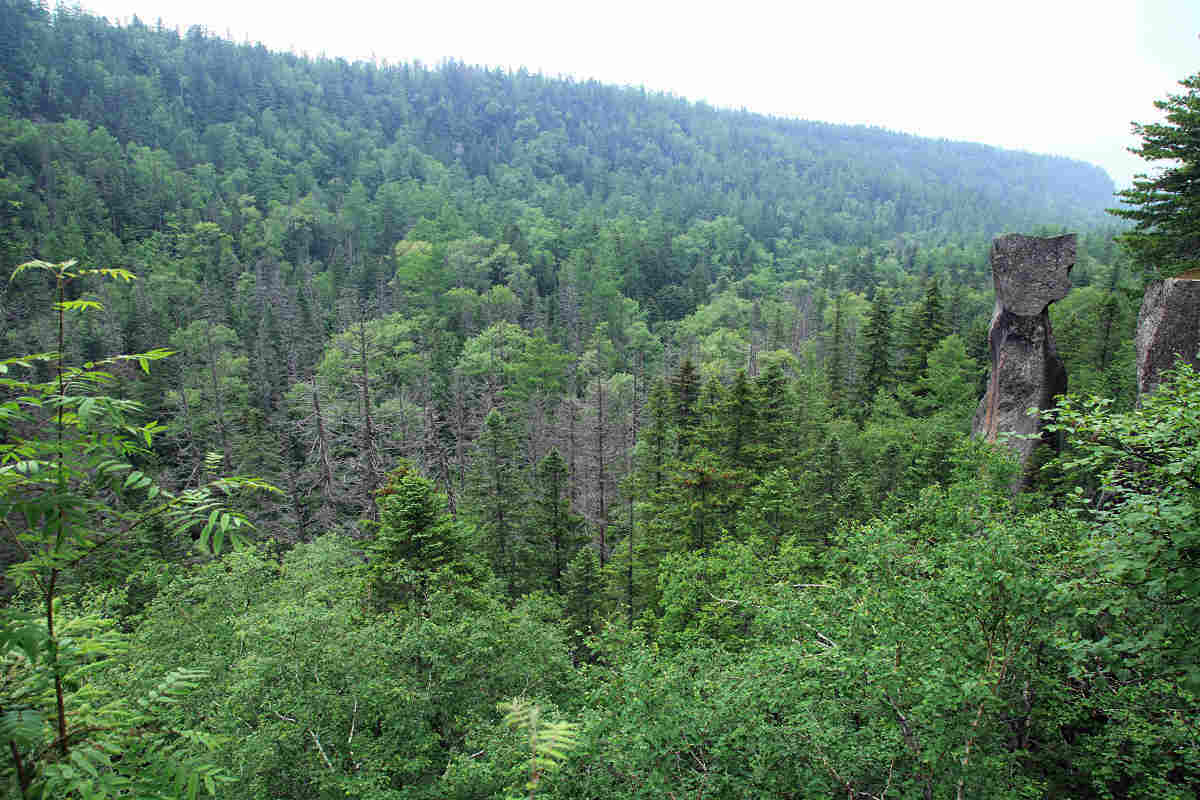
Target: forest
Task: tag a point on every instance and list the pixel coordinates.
(403, 431)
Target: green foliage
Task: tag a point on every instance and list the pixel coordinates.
(69, 495)
(926, 327)
(465, 270)
(324, 698)
(875, 358)
(118, 745)
(497, 495)
(1143, 606)
(549, 742)
(556, 531)
(1166, 235)
(417, 544)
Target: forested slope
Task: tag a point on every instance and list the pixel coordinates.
(214, 122)
(643, 409)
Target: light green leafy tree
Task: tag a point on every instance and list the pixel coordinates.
(71, 496)
(1140, 581)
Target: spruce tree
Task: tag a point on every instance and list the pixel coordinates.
(875, 359)
(1165, 206)
(496, 499)
(685, 391)
(582, 589)
(835, 367)
(926, 327)
(740, 420)
(711, 432)
(416, 536)
(551, 523)
(655, 443)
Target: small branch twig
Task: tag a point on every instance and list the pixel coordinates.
(313, 734)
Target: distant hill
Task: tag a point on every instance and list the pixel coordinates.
(291, 125)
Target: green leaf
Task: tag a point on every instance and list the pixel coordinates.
(81, 761)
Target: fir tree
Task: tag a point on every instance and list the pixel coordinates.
(416, 536)
(551, 520)
(926, 327)
(497, 496)
(835, 367)
(685, 391)
(1163, 206)
(740, 419)
(875, 358)
(582, 589)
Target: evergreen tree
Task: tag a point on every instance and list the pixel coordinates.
(552, 525)
(1165, 205)
(740, 417)
(415, 537)
(875, 358)
(926, 327)
(772, 512)
(582, 588)
(496, 497)
(654, 449)
(711, 433)
(685, 391)
(835, 366)
(777, 419)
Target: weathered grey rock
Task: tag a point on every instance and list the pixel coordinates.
(1029, 273)
(1168, 329)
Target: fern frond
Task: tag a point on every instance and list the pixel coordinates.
(174, 686)
(549, 742)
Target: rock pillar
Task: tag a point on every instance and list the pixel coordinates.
(1168, 329)
(1030, 273)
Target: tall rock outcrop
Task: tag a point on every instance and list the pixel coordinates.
(1030, 273)
(1168, 329)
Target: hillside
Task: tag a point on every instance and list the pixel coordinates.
(182, 129)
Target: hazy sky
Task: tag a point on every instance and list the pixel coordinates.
(1049, 76)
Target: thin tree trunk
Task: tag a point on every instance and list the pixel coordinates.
(601, 474)
(369, 455)
(323, 450)
(218, 400)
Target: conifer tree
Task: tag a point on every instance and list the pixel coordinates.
(582, 587)
(711, 433)
(740, 417)
(654, 447)
(416, 537)
(652, 462)
(496, 498)
(875, 358)
(551, 522)
(777, 419)
(1166, 235)
(926, 327)
(835, 367)
(685, 391)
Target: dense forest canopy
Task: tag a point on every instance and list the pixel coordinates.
(645, 418)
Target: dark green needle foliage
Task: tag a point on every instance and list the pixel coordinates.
(1165, 205)
(416, 538)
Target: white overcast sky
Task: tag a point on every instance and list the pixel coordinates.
(1049, 76)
